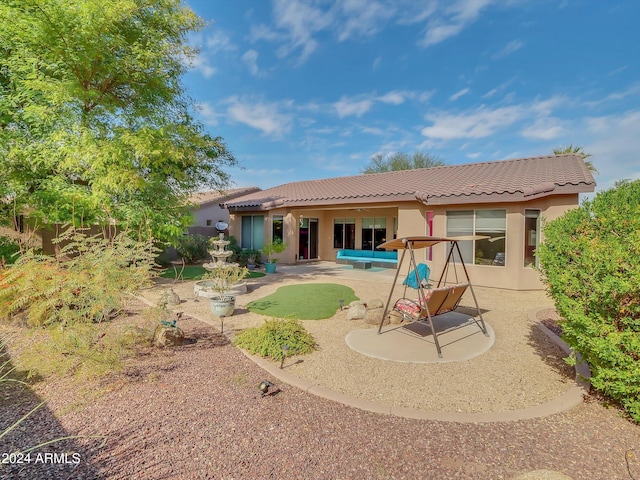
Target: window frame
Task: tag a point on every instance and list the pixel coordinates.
(474, 231)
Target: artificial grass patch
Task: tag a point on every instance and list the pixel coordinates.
(195, 272)
(311, 301)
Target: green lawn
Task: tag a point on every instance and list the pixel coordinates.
(195, 272)
(311, 301)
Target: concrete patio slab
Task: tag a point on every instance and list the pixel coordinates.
(413, 343)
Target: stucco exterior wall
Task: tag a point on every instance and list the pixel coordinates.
(411, 221)
(211, 212)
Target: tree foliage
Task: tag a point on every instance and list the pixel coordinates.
(95, 124)
(563, 150)
(89, 281)
(590, 264)
(401, 161)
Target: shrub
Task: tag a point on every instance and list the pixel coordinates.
(193, 248)
(8, 250)
(268, 339)
(590, 264)
(89, 282)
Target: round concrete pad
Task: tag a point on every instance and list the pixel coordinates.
(459, 336)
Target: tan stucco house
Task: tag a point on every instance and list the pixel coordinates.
(504, 200)
(207, 209)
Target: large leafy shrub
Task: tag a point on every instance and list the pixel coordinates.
(89, 281)
(268, 339)
(591, 264)
(9, 249)
(193, 248)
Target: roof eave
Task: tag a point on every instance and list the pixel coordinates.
(504, 197)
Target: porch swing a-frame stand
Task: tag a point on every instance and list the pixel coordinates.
(431, 301)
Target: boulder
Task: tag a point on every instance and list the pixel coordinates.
(373, 315)
(357, 302)
(168, 336)
(356, 312)
(375, 303)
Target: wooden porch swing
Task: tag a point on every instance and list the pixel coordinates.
(431, 302)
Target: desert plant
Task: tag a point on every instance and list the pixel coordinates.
(193, 248)
(268, 339)
(223, 279)
(272, 248)
(249, 256)
(88, 282)
(589, 259)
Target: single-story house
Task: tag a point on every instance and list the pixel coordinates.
(506, 201)
(207, 210)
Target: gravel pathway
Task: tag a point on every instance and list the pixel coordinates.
(195, 412)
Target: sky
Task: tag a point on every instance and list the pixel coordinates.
(312, 89)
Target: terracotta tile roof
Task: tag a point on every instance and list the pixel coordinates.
(500, 181)
(210, 196)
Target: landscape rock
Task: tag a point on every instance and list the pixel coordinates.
(356, 312)
(168, 336)
(375, 303)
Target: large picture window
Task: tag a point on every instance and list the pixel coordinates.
(252, 231)
(374, 232)
(344, 233)
(488, 223)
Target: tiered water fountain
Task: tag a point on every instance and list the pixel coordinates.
(204, 288)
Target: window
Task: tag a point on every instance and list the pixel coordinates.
(531, 237)
(252, 231)
(374, 232)
(209, 222)
(277, 230)
(344, 233)
(488, 223)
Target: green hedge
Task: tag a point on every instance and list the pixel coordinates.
(590, 260)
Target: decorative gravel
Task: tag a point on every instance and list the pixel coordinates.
(195, 412)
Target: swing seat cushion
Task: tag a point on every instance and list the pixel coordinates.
(438, 301)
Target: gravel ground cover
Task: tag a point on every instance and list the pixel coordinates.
(195, 412)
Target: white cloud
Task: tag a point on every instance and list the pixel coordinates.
(459, 94)
(394, 98)
(219, 41)
(300, 21)
(362, 17)
(490, 93)
(209, 115)
(346, 107)
(265, 117)
(615, 96)
(614, 142)
(201, 64)
(454, 18)
(544, 129)
(478, 123)
(439, 33)
(508, 49)
(250, 59)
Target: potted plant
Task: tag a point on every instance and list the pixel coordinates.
(270, 250)
(249, 257)
(222, 280)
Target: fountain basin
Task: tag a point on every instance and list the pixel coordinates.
(204, 289)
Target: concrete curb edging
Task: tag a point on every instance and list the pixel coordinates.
(568, 400)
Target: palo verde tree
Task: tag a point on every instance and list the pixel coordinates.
(401, 161)
(589, 259)
(95, 123)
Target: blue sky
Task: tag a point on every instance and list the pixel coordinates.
(309, 89)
